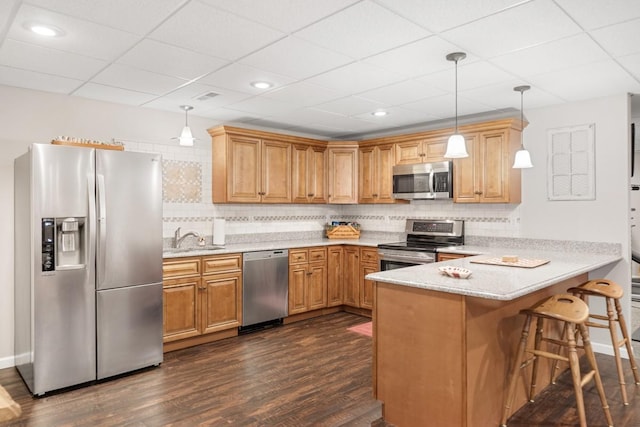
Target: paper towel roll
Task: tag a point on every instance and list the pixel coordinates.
(218, 231)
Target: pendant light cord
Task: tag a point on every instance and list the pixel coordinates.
(456, 131)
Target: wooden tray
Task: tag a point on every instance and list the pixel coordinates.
(343, 232)
(522, 262)
(88, 145)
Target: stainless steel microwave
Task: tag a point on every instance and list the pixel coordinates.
(423, 181)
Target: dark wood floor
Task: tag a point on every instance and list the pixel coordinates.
(311, 373)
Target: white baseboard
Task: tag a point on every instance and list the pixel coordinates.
(7, 362)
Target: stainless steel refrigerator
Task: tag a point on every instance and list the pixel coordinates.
(88, 264)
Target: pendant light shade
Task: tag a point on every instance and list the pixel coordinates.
(456, 145)
(523, 158)
(186, 137)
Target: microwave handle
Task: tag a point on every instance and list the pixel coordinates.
(431, 179)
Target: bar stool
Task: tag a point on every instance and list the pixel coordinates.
(611, 292)
(574, 313)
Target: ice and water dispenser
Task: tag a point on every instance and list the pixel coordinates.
(63, 243)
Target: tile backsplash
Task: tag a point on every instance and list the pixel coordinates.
(187, 204)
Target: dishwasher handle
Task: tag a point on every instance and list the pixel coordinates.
(278, 253)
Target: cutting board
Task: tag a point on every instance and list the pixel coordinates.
(522, 262)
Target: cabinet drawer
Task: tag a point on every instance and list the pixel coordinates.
(369, 255)
(180, 267)
(317, 254)
(222, 264)
(298, 256)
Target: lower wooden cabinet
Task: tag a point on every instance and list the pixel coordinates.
(445, 256)
(358, 262)
(335, 261)
(307, 279)
(201, 295)
(368, 264)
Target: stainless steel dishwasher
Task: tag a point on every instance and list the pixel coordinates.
(265, 286)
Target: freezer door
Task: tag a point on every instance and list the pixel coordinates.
(129, 329)
(63, 304)
(129, 201)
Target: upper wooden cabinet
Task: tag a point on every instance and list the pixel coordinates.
(343, 172)
(375, 177)
(309, 173)
(252, 166)
(486, 176)
(424, 150)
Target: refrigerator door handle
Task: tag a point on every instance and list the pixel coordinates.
(91, 213)
(102, 228)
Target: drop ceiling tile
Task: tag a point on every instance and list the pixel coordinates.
(154, 56)
(350, 106)
(632, 63)
(556, 55)
(226, 115)
(303, 116)
(502, 96)
(112, 94)
(137, 17)
(601, 78)
(398, 116)
(238, 77)
(214, 32)
(356, 77)
(261, 106)
(284, 15)
(346, 123)
(470, 75)
(188, 95)
(503, 32)
(303, 94)
(284, 57)
(418, 58)
(38, 81)
(443, 107)
(125, 77)
(41, 59)
(362, 30)
(592, 14)
(6, 12)
(440, 15)
(620, 39)
(401, 93)
(81, 37)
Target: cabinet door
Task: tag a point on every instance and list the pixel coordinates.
(317, 283)
(181, 311)
(351, 273)
(317, 175)
(299, 174)
(434, 149)
(366, 286)
(343, 175)
(465, 174)
(444, 256)
(244, 170)
(409, 152)
(221, 302)
(276, 172)
(334, 276)
(385, 159)
(367, 175)
(298, 288)
(495, 164)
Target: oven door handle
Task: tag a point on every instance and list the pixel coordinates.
(407, 259)
(431, 179)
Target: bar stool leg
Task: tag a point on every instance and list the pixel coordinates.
(536, 359)
(616, 348)
(576, 376)
(586, 341)
(625, 335)
(513, 379)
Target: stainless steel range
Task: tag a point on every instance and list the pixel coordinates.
(424, 237)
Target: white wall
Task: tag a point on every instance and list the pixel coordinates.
(28, 116)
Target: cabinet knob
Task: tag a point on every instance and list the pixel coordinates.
(374, 195)
(310, 195)
(477, 192)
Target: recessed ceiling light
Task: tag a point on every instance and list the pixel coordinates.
(44, 30)
(379, 113)
(261, 85)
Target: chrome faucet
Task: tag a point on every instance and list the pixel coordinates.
(177, 239)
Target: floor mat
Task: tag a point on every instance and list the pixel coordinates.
(363, 328)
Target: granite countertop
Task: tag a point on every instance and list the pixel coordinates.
(495, 281)
(264, 246)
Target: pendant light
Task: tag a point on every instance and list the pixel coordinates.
(186, 137)
(523, 158)
(456, 145)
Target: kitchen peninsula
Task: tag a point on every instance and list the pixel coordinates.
(443, 346)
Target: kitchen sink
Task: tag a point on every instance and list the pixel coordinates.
(193, 249)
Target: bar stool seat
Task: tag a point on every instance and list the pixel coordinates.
(573, 313)
(611, 292)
